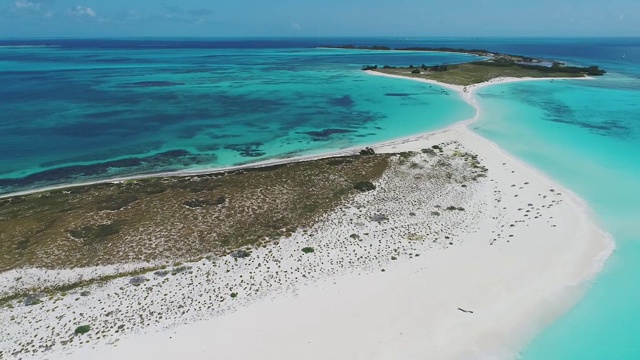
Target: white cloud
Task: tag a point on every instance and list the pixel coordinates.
(295, 26)
(83, 11)
(24, 4)
(31, 8)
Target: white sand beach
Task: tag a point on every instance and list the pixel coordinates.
(393, 275)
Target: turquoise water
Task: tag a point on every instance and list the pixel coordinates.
(74, 112)
(586, 135)
(87, 109)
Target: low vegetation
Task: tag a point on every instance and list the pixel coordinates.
(367, 151)
(494, 57)
(364, 186)
(494, 65)
(483, 71)
(82, 329)
(176, 218)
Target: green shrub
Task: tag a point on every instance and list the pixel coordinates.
(364, 186)
(33, 299)
(93, 234)
(82, 329)
(240, 254)
(308, 250)
(367, 151)
(234, 295)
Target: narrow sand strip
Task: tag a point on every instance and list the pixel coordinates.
(476, 283)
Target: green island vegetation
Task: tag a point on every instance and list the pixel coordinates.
(482, 71)
(169, 219)
(495, 65)
(83, 329)
(163, 225)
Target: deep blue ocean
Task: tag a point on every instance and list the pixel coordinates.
(77, 110)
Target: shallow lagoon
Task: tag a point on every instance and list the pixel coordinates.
(71, 114)
(585, 134)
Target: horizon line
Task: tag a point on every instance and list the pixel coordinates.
(262, 37)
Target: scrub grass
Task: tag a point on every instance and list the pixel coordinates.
(470, 73)
(175, 218)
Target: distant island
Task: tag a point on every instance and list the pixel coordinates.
(479, 52)
(496, 65)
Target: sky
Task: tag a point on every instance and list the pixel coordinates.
(260, 18)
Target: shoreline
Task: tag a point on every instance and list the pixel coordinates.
(580, 205)
(466, 96)
(502, 308)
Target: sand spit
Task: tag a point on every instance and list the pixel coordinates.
(458, 254)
